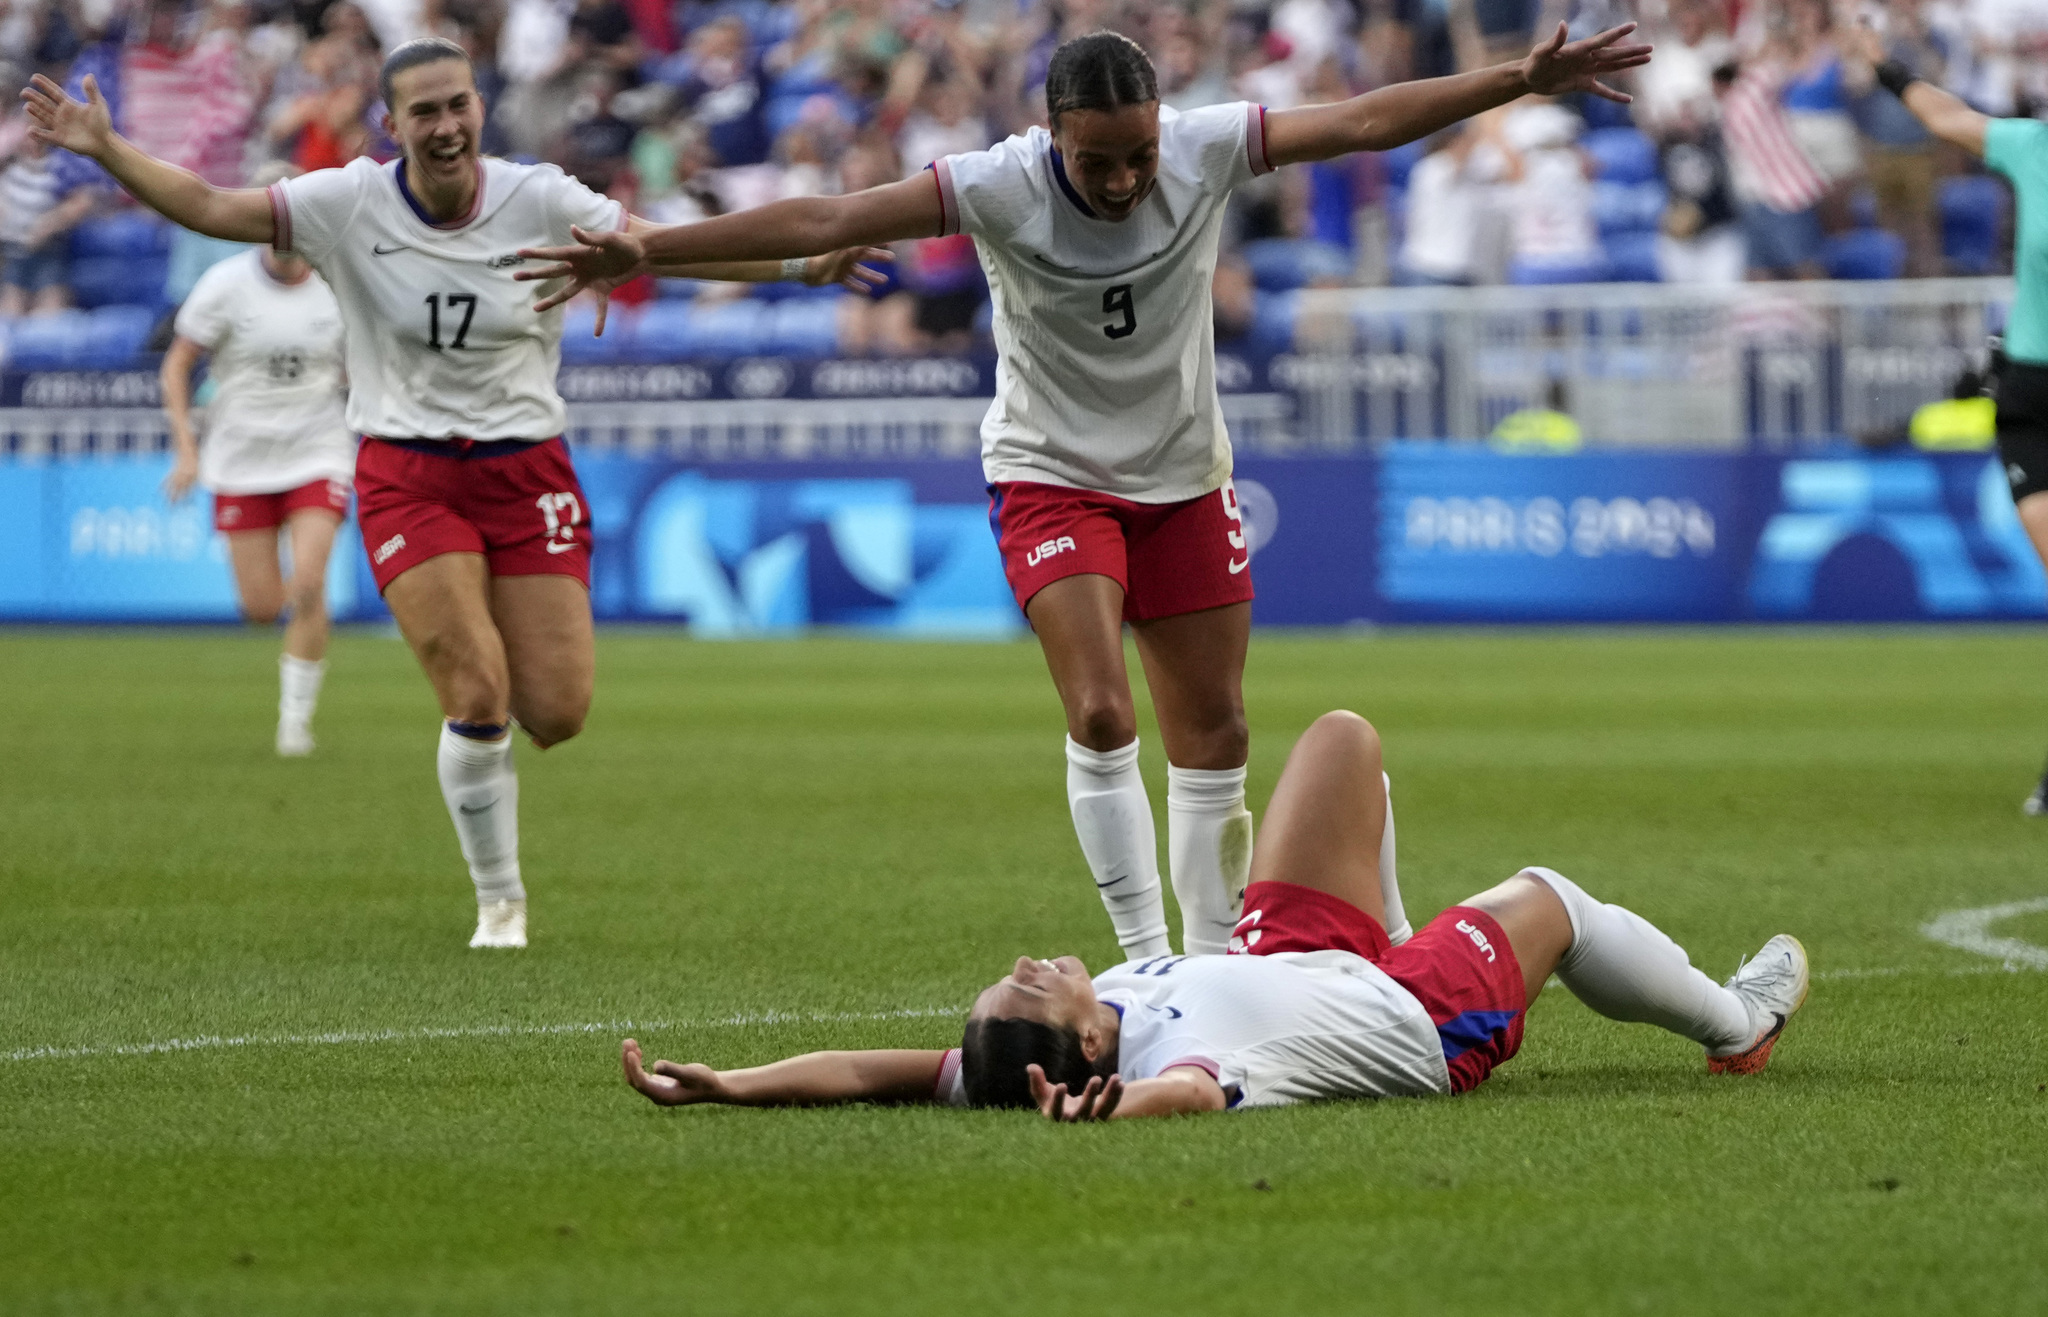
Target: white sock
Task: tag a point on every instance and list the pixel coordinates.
(1626, 968)
(1209, 851)
(1395, 919)
(482, 793)
(298, 685)
(1113, 818)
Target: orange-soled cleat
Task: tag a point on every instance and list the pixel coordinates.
(1773, 987)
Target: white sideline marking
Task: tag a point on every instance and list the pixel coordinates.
(1970, 930)
(209, 1042)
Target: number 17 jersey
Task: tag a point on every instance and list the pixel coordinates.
(442, 343)
(1106, 368)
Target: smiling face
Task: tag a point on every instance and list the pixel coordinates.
(1111, 156)
(437, 118)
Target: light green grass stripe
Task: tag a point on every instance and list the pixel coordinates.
(209, 1042)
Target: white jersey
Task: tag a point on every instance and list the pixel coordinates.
(275, 422)
(442, 343)
(1106, 374)
(1292, 1027)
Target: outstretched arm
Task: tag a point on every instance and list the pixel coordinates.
(87, 128)
(800, 226)
(814, 1079)
(1390, 116)
(1947, 116)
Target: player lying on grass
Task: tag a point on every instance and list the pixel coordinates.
(1313, 1000)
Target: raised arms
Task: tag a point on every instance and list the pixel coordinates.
(1407, 111)
(87, 128)
(814, 1079)
(1947, 116)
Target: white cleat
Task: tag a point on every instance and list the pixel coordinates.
(294, 740)
(500, 924)
(1772, 986)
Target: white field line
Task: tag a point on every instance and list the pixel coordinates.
(1970, 930)
(1966, 930)
(210, 1042)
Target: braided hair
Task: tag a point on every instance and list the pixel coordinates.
(1101, 71)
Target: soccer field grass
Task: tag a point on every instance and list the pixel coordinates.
(248, 1065)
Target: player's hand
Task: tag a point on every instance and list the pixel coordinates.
(848, 267)
(1096, 1101)
(599, 262)
(670, 1084)
(1556, 68)
(184, 473)
(86, 127)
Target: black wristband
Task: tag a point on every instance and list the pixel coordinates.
(1895, 77)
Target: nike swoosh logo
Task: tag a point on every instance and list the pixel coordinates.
(1237, 567)
(1172, 1012)
(379, 249)
(556, 546)
(480, 809)
(1111, 883)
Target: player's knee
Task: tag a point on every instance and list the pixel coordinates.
(1345, 728)
(262, 612)
(1104, 723)
(552, 728)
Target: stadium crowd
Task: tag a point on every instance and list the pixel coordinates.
(1758, 145)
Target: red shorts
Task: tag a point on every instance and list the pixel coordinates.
(1460, 966)
(1170, 558)
(233, 512)
(518, 504)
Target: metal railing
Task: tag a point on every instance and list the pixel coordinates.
(1769, 366)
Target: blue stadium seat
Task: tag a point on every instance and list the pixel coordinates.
(1592, 270)
(1599, 112)
(1279, 264)
(1622, 155)
(803, 327)
(1632, 258)
(49, 342)
(130, 233)
(106, 280)
(1627, 207)
(1400, 161)
(581, 348)
(725, 329)
(1865, 254)
(115, 336)
(1972, 218)
(1273, 319)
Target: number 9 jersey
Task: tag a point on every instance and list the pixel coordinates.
(1106, 370)
(442, 342)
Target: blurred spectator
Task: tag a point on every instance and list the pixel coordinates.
(1676, 88)
(1899, 155)
(2006, 42)
(1551, 201)
(601, 32)
(1545, 429)
(186, 97)
(318, 102)
(597, 148)
(1447, 197)
(1816, 100)
(947, 123)
(723, 92)
(1776, 186)
(1699, 238)
(36, 218)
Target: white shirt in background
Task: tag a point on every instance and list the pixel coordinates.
(275, 422)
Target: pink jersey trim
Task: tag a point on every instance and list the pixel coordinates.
(280, 218)
(1199, 1063)
(1255, 139)
(949, 1066)
(949, 199)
